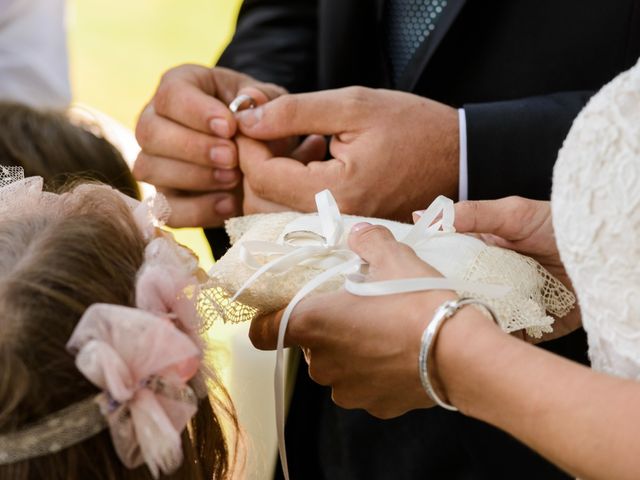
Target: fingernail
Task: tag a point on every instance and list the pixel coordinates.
(226, 206)
(225, 176)
(249, 117)
(220, 127)
(360, 226)
(222, 156)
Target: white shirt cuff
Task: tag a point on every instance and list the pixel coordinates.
(463, 177)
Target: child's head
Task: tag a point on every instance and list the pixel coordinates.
(49, 145)
(58, 256)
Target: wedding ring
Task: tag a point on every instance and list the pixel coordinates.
(242, 102)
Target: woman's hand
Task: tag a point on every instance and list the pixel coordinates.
(524, 226)
(365, 348)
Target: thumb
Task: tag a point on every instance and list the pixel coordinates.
(261, 93)
(322, 113)
(375, 244)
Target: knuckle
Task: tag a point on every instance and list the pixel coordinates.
(164, 94)
(141, 169)
(301, 325)
(342, 399)
(287, 107)
(258, 187)
(381, 413)
(193, 147)
(192, 216)
(318, 375)
(196, 216)
(517, 205)
(256, 335)
(357, 93)
(372, 233)
(144, 130)
(348, 205)
(179, 71)
(356, 98)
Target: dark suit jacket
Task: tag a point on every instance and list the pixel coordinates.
(522, 70)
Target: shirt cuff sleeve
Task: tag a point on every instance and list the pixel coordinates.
(463, 178)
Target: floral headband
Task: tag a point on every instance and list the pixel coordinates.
(142, 359)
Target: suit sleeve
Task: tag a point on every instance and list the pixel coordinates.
(513, 145)
(276, 41)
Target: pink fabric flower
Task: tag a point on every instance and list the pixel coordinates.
(142, 362)
(168, 283)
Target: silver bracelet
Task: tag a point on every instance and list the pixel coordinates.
(443, 313)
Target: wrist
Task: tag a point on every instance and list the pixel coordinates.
(464, 338)
(422, 313)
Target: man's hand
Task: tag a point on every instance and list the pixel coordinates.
(365, 348)
(392, 152)
(524, 226)
(187, 137)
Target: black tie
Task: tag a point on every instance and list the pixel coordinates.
(408, 25)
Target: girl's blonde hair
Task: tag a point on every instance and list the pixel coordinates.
(53, 265)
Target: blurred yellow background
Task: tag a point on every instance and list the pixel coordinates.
(119, 49)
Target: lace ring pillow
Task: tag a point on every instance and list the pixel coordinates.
(277, 259)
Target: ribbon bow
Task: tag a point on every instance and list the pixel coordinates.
(142, 363)
(320, 240)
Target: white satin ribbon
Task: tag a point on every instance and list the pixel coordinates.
(325, 246)
(356, 286)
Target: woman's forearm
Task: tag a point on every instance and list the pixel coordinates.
(585, 422)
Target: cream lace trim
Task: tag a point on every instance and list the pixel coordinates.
(536, 294)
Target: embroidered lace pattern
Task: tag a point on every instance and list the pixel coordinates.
(596, 214)
(534, 296)
(271, 292)
(523, 307)
(9, 175)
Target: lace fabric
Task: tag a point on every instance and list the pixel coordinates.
(535, 293)
(10, 174)
(596, 215)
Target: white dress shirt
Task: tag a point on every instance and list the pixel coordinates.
(463, 178)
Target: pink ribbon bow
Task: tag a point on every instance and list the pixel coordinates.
(142, 362)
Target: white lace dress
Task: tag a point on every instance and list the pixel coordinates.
(596, 215)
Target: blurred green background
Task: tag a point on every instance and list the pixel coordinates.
(119, 49)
